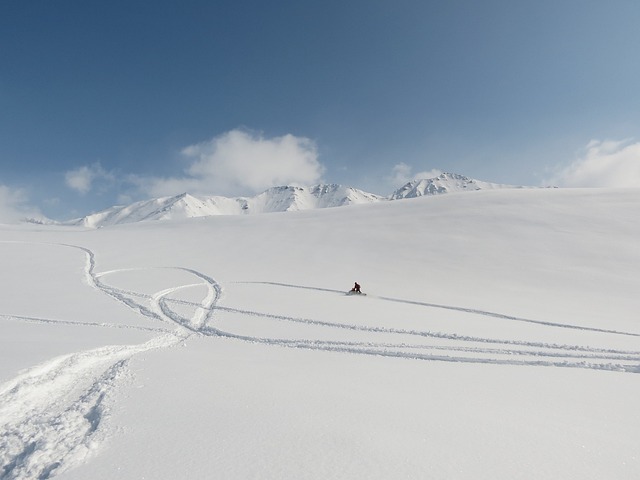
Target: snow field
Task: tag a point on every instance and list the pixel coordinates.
(498, 339)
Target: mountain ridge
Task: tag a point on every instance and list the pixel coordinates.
(275, 199)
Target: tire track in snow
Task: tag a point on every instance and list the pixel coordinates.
(473, 311)
(438, 335)
(37, 320)
(574, 356)
(565, 355)
(603, 352)
(158, 304)
(560, 352)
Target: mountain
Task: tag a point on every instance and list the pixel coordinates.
(286, 199)
(164, 208)
(276, 199)
(445, 183)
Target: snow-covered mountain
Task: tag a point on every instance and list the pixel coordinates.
(286, 199)
(445, 183)
(276, 199)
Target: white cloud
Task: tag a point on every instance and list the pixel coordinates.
(83, 178)
(401, 174)
(604, 164)
(239, 162)
(13, 205)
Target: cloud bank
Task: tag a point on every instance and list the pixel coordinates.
(82, 179)
(604, 164)
(14, 207)
(241, 162)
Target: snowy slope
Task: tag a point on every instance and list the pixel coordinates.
(164, 208)
(491, 344)
(445, 183)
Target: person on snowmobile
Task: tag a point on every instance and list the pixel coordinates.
(356, 288)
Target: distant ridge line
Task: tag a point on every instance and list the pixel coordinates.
(276, 199)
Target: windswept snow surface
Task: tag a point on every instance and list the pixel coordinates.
(499, 339)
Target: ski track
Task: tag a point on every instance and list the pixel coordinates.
(52, 415)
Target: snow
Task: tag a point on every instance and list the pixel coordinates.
(276, 199)
(498, 340)
(444, 183)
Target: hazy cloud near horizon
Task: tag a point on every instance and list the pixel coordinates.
(609, 163)
(401, 174)
(14, 205)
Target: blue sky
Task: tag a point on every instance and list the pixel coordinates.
(110, 102)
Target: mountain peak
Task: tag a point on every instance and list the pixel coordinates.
(444, 183)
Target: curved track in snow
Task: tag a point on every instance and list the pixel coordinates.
(51, 415)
